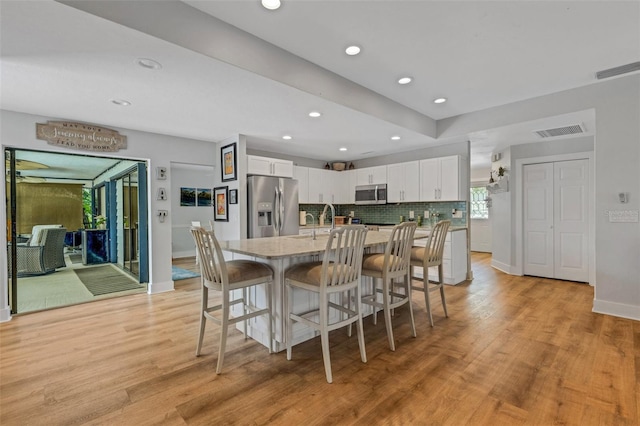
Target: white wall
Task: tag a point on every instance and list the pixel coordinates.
(480, 174)
(188, 176)
(616, 103)
(17, 130)
(500, 213)
(236, 227)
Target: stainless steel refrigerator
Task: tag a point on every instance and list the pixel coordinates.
(272, 206)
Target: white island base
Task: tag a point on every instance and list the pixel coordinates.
(280, 253)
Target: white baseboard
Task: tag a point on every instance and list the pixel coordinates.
(184, 253)
(460, 278)
(5, 314)
(162, 287)
(506, 268)
(616, 309)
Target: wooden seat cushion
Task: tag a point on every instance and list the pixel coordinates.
(417, 253)
(309, 273)
(245, 270)
(374, 262)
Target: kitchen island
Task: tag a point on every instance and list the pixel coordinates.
(280, 253)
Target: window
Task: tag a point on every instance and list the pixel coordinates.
(479, 195)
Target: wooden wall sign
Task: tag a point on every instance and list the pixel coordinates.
(80, 136)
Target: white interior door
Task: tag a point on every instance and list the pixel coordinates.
(556, 226)
(538, 220)
(571, 180)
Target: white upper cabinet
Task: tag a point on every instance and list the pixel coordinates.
(348, 180)
(442, 179)
(371, 175)
(318, 188)
(403, 182)
(301, 174)
(335, 189)
(266, 166)
(327, 186)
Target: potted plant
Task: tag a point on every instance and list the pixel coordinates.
(100, 222)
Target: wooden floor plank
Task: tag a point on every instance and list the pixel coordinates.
(514, 350)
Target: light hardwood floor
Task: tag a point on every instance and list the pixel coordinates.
(515, 350)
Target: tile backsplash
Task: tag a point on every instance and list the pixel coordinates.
(390, 213)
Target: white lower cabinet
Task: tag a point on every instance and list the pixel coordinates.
(454, 258)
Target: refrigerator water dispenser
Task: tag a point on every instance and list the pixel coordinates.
(264, 214)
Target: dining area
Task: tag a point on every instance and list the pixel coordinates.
(283, 291)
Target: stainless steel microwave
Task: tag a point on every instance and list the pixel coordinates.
(371, 194)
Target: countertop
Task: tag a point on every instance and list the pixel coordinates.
(296, 245)
(420, 228)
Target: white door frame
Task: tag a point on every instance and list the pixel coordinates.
(518, 268)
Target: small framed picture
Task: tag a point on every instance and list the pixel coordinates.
(221, 198)
(233, 196)
(203, 197)
(188, 197)
(228, 159)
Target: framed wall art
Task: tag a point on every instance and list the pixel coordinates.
(229, 162)
(221, 198)
(233, 196)
(204, 197)
(188, 197)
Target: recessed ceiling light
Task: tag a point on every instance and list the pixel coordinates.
(149, 64)
(440, 100)
(314, 114)
(271, 4)
(343, 149)
(287, 137)
(352, 50)
(395, 138)
(404, 80)
(120, 102)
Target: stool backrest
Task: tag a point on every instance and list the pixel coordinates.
(397, 253)
(435, 243)
(342, 263)
(213, 268)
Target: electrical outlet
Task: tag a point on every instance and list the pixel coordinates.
(162, 214)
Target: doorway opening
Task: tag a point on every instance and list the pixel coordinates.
(77, 228)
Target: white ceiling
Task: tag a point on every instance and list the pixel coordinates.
(61, 61)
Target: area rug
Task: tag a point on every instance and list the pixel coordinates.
(182, 274)
(106, 279)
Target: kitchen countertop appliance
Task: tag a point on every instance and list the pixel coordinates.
(272, 208)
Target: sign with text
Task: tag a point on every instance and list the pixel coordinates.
(81, 136)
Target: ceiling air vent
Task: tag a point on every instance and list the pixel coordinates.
(561, 131)
(622, 69)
